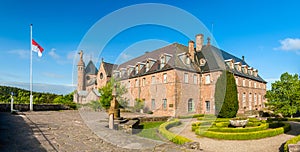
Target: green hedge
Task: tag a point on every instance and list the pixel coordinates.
(294, 140)
(244, 135)
(263, 126)
(191, 116)
(163, 129)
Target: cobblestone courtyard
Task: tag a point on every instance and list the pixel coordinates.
(58, 131)
(82, 131)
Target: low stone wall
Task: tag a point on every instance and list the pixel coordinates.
(149, 119)
(36, 107)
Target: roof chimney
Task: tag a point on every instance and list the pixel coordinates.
(208, 41)
(192, 50)
(199, 42)
(243, 58)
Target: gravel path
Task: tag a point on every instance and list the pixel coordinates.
(271, 144)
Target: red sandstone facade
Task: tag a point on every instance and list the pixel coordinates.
(177, 80)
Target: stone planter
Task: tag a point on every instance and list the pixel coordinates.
(239, 123)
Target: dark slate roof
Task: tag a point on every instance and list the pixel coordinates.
(174, 62)
(215, 61)
(91, 68)
(108, 68)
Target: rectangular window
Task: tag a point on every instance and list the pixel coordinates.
(144, 81)
(165, 77)
(244, 100)
(237, 81)
(255, 99)
(186, 78)
(191, 105)
(136, 82)
(207, 79)
(164, 104)
(254, 84)
(153, 104)
(207, 105)
(129, 85)
(249, 83)
(244, 82)
(195, 79)
(153, 80)
(250, 101)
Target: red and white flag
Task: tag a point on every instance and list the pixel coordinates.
(37, 48)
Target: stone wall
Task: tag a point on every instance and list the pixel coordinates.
(36, 107)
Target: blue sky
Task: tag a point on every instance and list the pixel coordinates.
(267, 33)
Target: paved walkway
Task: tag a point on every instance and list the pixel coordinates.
(271, 144)
(68, 131)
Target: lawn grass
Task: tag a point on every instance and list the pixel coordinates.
(149, 130)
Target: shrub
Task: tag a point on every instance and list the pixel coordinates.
(222, 124)
(226, 101)
(244, 135)
(163, 129)
(294, 140)
(236, 130)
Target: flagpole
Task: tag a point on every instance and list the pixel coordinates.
(31, 97)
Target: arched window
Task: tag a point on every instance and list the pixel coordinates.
(191, 107)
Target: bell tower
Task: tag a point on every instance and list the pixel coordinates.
(80, 73)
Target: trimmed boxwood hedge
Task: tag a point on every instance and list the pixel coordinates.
(163, 129)
(294, 140)
(244, 135)
(263, 126)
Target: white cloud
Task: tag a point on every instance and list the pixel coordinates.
(289, 44)
(124, 57)
(24, 54)
(53, 54)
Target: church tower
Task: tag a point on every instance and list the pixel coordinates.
(80, 73)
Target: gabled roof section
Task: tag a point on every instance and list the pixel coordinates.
(215, 60)
(108, 67)
(91, 68)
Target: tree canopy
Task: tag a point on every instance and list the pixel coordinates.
(284, 97)
(106, 93)
(226, 100)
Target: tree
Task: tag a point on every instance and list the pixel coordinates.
(106, 93)
(284, 97)
(226, 101)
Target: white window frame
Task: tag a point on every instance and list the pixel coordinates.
(207, 79)
(195, 78)
(186, 78)
(165, 78)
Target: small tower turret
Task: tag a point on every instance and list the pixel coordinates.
(80, 73)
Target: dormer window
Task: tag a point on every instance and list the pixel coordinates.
(116, 74)
(255, 72)
(238, 66)
(149, 64)
(245, 69)
(250, 71)
(130, 69)
(229, 63)
(123, 71)
(164, 59)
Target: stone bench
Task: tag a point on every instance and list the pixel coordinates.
(129, 126)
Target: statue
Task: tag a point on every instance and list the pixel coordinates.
(114, 105)
(81, 54)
